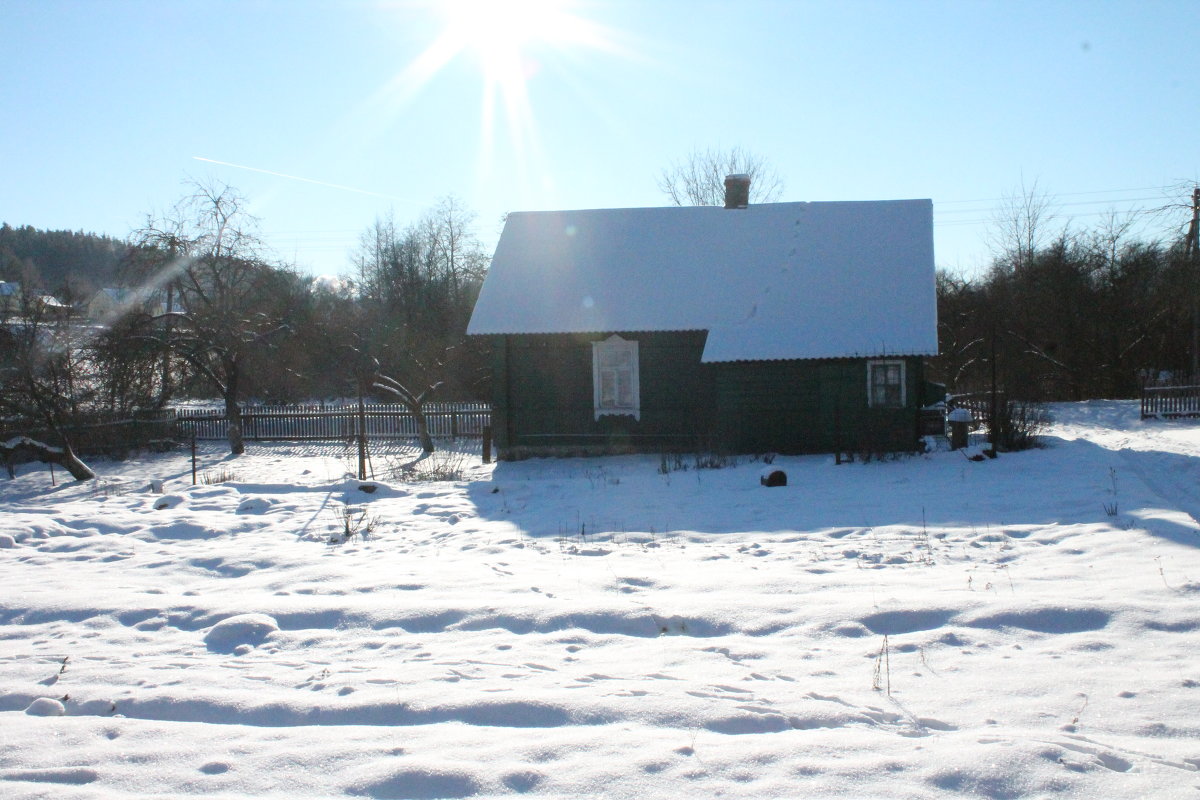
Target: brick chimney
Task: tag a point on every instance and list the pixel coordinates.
(737, 191)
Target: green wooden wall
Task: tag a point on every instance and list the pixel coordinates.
(543, 387)
(811, 407)
(543, 400)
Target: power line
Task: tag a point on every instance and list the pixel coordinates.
(1051, 206)
(992, 220)
(1063, 194)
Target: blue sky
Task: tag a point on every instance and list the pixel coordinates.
(108, 108)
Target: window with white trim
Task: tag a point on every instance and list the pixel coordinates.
(615, 377)
(885, 384)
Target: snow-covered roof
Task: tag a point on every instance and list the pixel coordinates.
(772, 281)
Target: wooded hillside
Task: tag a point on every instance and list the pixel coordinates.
(62, 262)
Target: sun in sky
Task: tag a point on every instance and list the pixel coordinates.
(501, 35)
(510, 42)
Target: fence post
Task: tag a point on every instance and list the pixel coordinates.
(453, 424)
(487, 444)
(362, 437)
(193, 458)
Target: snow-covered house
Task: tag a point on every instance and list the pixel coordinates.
(14, 303)
(787, 327)
(52, 307)
(10, 298)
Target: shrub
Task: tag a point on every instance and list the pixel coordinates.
(1019, 424)
(443, 465)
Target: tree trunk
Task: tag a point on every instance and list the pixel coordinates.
(20, 449)
(234, 415)
(422, 427)
(233, 412)
(414, 403)
(164, 390)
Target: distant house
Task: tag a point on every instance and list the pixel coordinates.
(109, 303)
(13, 303)
(10, 298)
(52, 307)
(786, 327)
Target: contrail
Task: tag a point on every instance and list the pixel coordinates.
(298, 178)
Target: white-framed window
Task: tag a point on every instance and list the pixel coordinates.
(885, 384)
(615, 377)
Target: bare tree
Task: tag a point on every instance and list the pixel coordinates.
(42, 380)
(699, 178)
(431, 267)
(414, 401)
(960, 337)
(1021, 226)
(228, 295)
(418, 285)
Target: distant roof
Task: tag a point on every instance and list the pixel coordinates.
(124, 297)
(115, 293)
(773, 281)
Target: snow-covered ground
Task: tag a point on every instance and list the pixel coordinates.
(921, 628)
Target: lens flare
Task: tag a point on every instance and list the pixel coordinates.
(511, 43)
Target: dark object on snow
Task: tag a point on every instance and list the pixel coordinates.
(960, 427)
(22, 449)
(774, 477)
(369, 488)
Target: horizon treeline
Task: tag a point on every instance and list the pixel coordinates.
(1084, 316)
(1070, 316)
(72, 265)
(270, 334)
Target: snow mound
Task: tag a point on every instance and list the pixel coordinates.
(242, 629)
(7, 541)
(358, 491)
(46, 707)
(254, 505)
(184, 530)
(420, 783)
(167, 501)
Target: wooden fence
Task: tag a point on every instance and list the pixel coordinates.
(1170, 401)
(100, 433)
(978, 403)
(324, 423)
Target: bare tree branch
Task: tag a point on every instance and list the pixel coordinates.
(699, 178)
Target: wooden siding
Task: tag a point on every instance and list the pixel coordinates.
(544, 402)
(811, 407)
(544, 398)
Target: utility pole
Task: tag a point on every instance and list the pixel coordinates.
(994, 419)
(1193, 266)
(168, 322)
